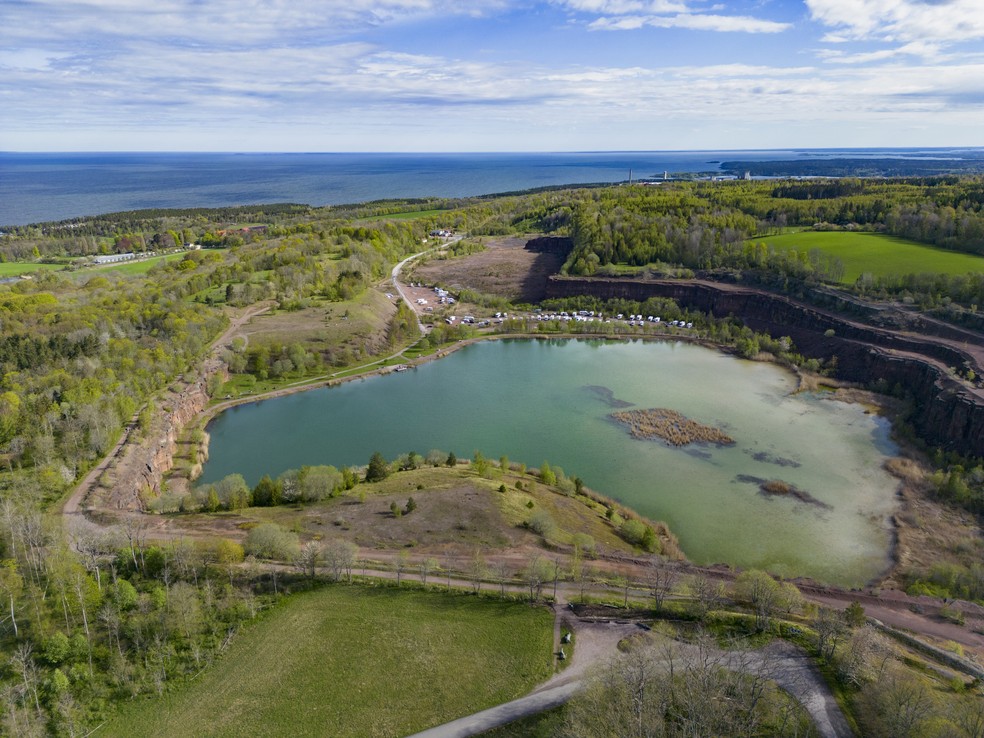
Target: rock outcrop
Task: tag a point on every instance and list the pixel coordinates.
(550, 245)
(138, 473)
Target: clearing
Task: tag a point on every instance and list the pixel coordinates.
(876, 253)
(355, 661)
(504, 269)
(458, 511)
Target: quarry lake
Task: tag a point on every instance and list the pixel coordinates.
(551, 400)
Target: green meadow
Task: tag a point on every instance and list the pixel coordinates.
(16, 268)
(357, 661)
(408, 215)
(876, 253)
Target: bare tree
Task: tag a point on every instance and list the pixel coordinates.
(425, 567)
(968, 715)
(11, 585)
(339, 557)
(661, 577)
(536, 574)
(24, 665)
(79, 587)
(400, 565)
(477, 569)
(705, 593)
(501, 572)
(308, 558)
(830, 629)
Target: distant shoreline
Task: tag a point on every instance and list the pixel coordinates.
(47, 187)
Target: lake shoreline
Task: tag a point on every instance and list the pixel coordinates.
(885, 503)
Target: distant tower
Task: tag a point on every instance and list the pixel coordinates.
(666, 175)
(630, 176)
(748, 176)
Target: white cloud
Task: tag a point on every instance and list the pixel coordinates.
(920, 49)
(624, 7)
(630, 15)
(943, 21)
(691, 21)
(226, 22)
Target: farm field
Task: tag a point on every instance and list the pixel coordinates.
(357, 661)
(876, 253)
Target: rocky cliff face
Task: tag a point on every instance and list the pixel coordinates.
(551, 245)
(139, 472)
(949, 413)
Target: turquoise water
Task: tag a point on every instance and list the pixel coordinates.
(539, 400)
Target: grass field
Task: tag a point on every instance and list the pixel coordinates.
(412, 215)
(353, 661)
(15, 268)
(877, 254)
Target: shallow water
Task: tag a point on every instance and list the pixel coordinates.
(550, 400)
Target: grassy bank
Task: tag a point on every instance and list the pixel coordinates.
(357, 661)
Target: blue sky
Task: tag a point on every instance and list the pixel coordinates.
(488, 75)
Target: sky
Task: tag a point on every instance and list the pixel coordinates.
(489, 75)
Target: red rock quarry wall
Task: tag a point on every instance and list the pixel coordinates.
(949, 414)
(142, 467)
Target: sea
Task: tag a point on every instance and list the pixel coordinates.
(42, 187)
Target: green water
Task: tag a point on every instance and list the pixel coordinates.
(540, 400)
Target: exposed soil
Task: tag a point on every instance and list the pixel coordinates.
(504, 269)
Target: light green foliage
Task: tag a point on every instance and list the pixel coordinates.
(270, 541)
(481, 465)
(639, 534)
(547, 475)
(319, 483)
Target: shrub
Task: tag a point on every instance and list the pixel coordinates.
(542, 523)
(270, 541)
(639, 534)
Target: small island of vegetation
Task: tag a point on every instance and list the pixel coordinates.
(671, 426)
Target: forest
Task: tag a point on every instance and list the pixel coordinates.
(91, 619)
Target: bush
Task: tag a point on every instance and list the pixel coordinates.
(541, 522)
(270, 541)
(639, 534)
